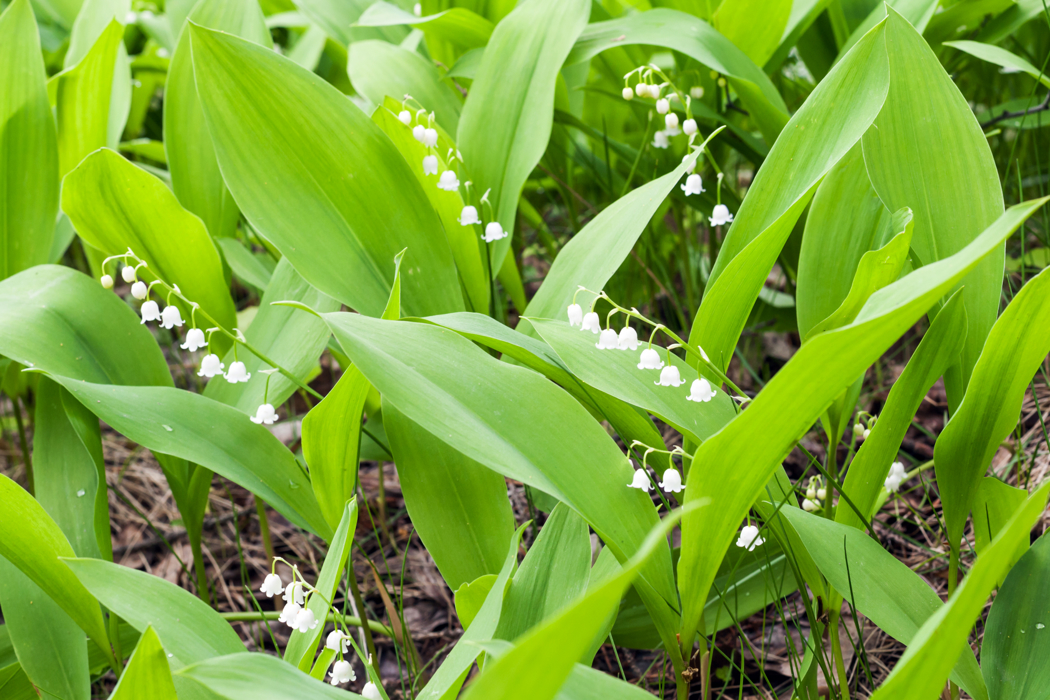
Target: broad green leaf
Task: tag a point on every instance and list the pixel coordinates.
(459, 507)
(292, 339)
(819, 135)
(187, 626)
(379, 69)
(49, 644)
(735, 20)
(115, 205)
(82, 97)
(921, 672)
(1016, 648)
(927, 151)
(508, 116)
(938, 350)
(195, 175)
(917, 12)
(457, 25)
(213, 435)
(258, 677)
(698, 40)
(329, 169)
(786, 408)
(33, 543)
(586, 683)
(994, 505)
(338, 17)
(1000, 57)
(553, 574)
(245, 264)
(471, 596)
(15, 685)
(91, 22)
(1015, 348)
(846, 220)
(147, 673)
(301, 646)
(510, 419)
(28, 150)
(881, 587)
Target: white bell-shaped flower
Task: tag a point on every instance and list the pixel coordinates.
(575, 315)
(210, 366)
(493, 232)
(641, 481)
(858, 431)
(305, 620)
(405, 117)
(448, 181)
(370, 692)
(720, 216)
(671, 122)
(867, 432)
(670, 376)
(337, 641)
(342, 672)
(810, 506)
(139, 290)
(811, 493)
(295, 593)
(672, 482)
(430, 138)
(896, 477)
(237, 373)
(265, 414)
(700, 391)
(430, 165)
(628, 93)
(749, 538)
(696, 92)
(106, 281)
(693, 185)
(150, 311)
(650, 359)
(128, 273)
(607, 340)
(271, 585)
(663, 106)
(469, 216)
(170, 317)
(822, 493)
(660, 140)
(641, 89)
(418, 132)
(591, 323)
(689, 127)
(628, 339)
(194, 340)
(289, 614)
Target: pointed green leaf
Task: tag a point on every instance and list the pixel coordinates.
(1000, 57)
(147, 673)
(258, 677)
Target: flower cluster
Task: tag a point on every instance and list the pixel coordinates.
(816, 494)
(647, 87)
(896, 477)
(672, 478)
(863, 427)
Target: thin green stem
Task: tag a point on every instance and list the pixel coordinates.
(24, 445)
(264, 528)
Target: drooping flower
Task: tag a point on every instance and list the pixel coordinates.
(237, 373)
(430, 138)
(107, 281)
(628, 339)
(139, 290)
(337, 641)
(591, 323)
(607, 340)
(342, 672)
(641, 89)
(418, 132)
(810, 506)
(294, 593)
(210, 366)
(575, 314)
(405, 116)
(660, 140)
(672, 482)
(696, 92)
(493, 232)
(822, 493)
(265, 414)
(700, 391)
(305, 620)
(194, 340)
(662, 105)
(641, 481)
(448, 181)
(150, 311)
(469, 216)
(749, 538)
(693, 185)
(430, 165)
(371, 692)
(271, 585)
(170, 317)
(289, 614)
(628, 93)
(896, 477)
(720, 215)
(670, 376)
(671, 122)
(128, 273)
(650, 359)
(689, 127)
